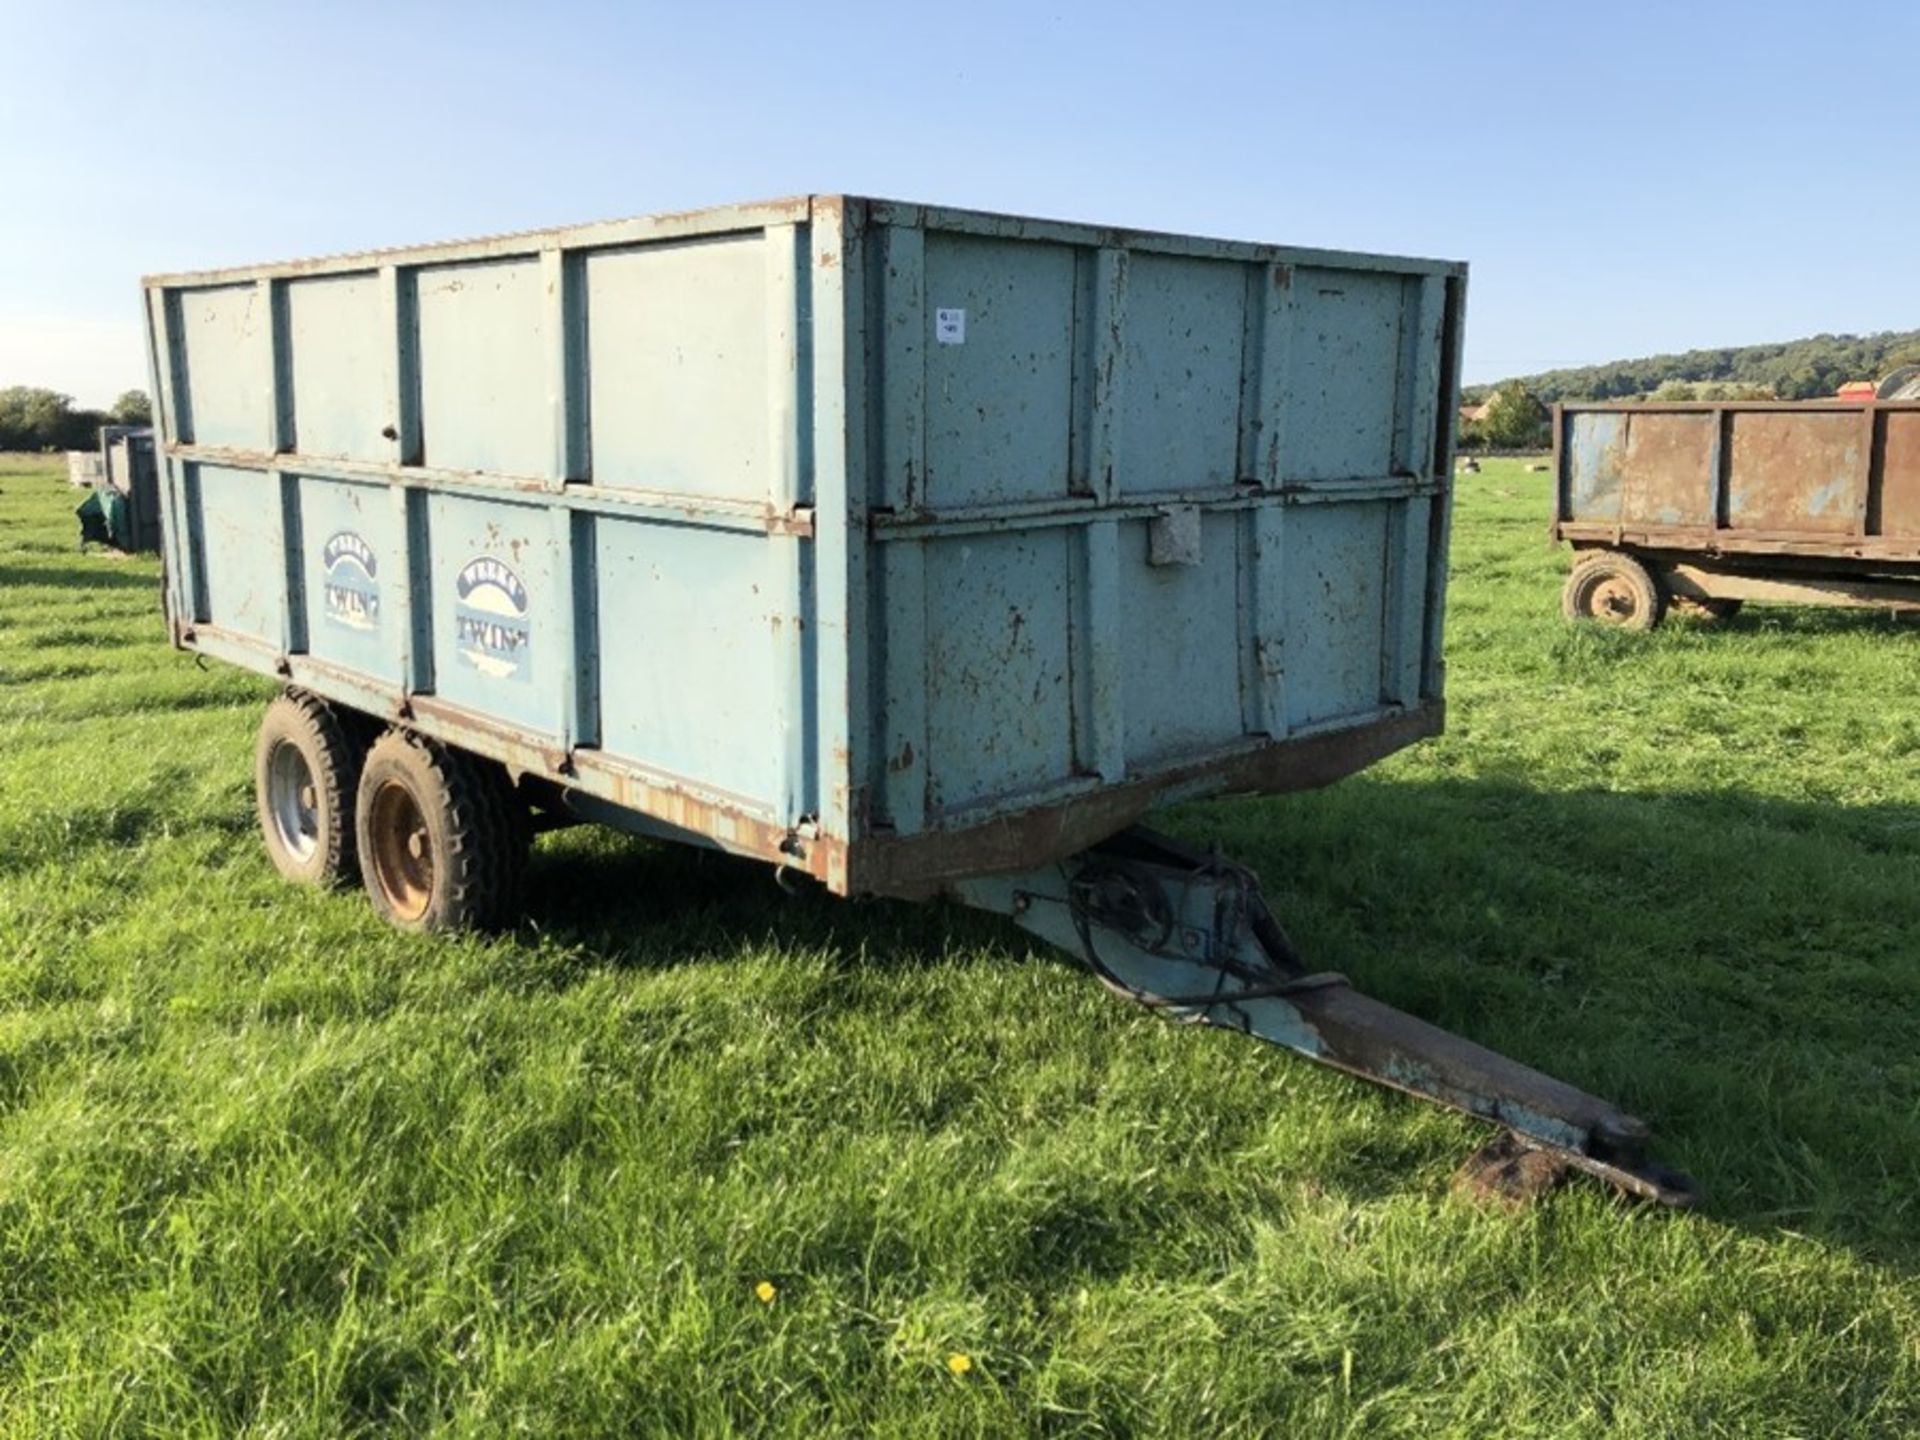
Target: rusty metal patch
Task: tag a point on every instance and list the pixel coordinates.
(1804, 472)
(1897, 511)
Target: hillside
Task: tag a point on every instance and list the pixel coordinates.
(1809, 369)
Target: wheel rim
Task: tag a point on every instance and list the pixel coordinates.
(1612, 598)
(293, 803)
(402, 850)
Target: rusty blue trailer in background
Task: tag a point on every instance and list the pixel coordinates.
(923, 551)
(1707, 505)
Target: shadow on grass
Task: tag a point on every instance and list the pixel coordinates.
(1743, 973)
(647, 905)
(80, 637)
(114, 706)
(116, 825)
(1806, 620)
(78, 576)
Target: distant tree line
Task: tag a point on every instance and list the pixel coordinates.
(35, 419)
(1809, 369)
(1717, 390)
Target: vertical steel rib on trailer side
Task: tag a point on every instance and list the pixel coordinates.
(911, 548)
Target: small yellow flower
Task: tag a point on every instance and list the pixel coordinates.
(959, 1364)
(765, 1291)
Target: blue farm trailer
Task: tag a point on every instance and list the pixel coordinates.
(920, 551)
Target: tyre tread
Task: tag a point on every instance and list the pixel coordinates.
(299, 714)
(1653, 598)
(477, 875)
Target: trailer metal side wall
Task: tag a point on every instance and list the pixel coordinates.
(1819, 481)
(892, 543)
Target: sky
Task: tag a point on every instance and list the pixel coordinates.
(1624, 180)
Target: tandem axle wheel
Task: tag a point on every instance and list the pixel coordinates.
(443, 836)
(306, 768)
(438, 836)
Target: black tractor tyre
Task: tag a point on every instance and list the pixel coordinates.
(306, 773)
(1614, 588)
(443, 836)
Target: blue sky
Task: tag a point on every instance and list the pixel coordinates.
(1625, 179)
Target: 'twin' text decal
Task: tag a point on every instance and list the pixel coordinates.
(490, 619)
(351, 593)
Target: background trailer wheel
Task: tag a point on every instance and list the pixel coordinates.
(306, 770)
(443, 836)
(1613, 587)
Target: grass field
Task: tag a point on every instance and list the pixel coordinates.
(269, 1168)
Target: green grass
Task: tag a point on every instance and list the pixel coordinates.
(269, 1168)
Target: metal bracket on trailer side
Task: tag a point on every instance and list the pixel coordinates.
(1190, 936)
